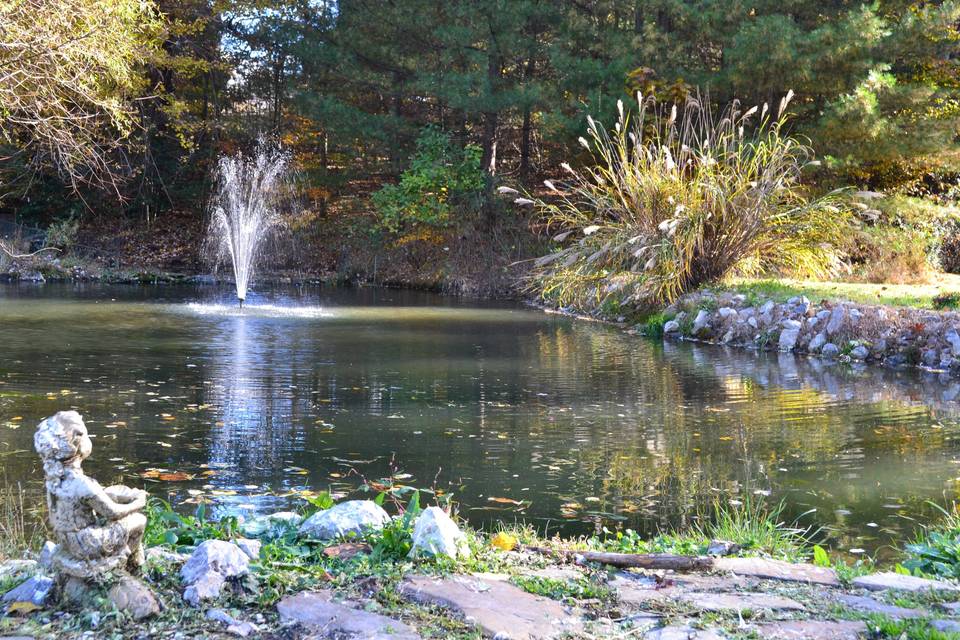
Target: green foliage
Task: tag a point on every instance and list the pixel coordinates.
(757, 528)
(947, 300)
(440, 178)
(936, 551)
(882, 626)
(674, 202)
(580, 589)
(395, 540)
(167, 527)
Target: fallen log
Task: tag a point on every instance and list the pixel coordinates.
(654, 561)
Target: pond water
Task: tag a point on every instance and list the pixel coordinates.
(521, 415)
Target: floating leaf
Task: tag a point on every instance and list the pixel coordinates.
(505, 501)
(23, 607)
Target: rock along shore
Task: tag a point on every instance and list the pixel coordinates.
(890, 336)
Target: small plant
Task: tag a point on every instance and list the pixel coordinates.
(579, 589)
(756, 528)
(937, 551)
(947, 300)
(167, 527)
(396, 538)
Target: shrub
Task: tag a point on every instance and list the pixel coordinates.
(936, 552)
(440, 178)
(676, 202)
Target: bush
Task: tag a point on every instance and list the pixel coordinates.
(675, 202)
(440, 178)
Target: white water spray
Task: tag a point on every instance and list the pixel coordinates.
(246, 208)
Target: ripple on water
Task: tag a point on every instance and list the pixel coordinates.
(254, 310)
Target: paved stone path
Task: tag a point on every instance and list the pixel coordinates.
(494, 605)
(318, 612)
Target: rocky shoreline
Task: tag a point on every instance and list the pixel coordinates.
(894, 337)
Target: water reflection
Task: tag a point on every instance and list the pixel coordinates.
(584, 426)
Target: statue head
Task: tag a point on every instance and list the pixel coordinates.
(62, 440)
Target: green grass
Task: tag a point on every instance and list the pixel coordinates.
(920, 296)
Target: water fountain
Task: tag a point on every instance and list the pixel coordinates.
(246, 208)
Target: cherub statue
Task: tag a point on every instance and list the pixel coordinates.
(96, 529)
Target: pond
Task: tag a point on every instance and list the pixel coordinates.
(520, 415)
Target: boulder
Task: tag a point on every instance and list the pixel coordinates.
(134, 597)
(213, 562)
(954, 340)
(829, 350)
(701, 324)
(271, 524)
(837, 318)
(36, 591)
(817, 342)
(46, 554)
(435, 534)
(353, 517)
(671, 326)
(722, 548)
(859, 352)
(788, 339)
(249, 547)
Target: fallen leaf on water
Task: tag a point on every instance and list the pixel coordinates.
(505, 500)
(167, 476)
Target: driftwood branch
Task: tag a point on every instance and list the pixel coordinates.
(25, 255)
(655, 561)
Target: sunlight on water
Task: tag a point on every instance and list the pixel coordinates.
(254, 310)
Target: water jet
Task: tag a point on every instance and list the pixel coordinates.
(246, 208)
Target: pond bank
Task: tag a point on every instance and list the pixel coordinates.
(282, 576)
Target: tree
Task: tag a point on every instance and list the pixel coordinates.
(68, 72)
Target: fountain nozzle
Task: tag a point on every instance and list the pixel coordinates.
(241, 302)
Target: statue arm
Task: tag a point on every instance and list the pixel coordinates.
(109, 508)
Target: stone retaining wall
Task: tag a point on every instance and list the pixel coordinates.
(892, 336)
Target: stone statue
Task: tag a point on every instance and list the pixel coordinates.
(96, 529)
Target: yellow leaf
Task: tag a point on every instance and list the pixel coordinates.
(23, 607)
(504, 541)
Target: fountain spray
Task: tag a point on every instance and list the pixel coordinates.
(245, 207)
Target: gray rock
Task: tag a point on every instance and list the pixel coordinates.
(134, 597)
(36, 590)
(931, 357)
(159, 555)
(13, 568)
(869, 605)
(859, 352)
(788, 339)
(495, 606)
(767, 307)
(752, 321)
(811, 630)
(208, 568)
(236, 627)
(701, 324)
(837, 318)
(271, 525)
(817, 342)
(778, 570)
(726, 312)
(829, 350)
(46, 554)
(317, 610)
(682, 632)
(739, 601)
(946, 626)
(896, 581)
(671, 326)
(954, 340)
(791, 324)
(351, 518)
(249, 547)
(722, 548)
(435, 534)
(727, 337)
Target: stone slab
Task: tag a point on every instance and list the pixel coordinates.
(869, 605)
(812, 630)
(496, 607)
(318, 610)
(778, 570)
(900, 582)
(739, 601)
(682, 633)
